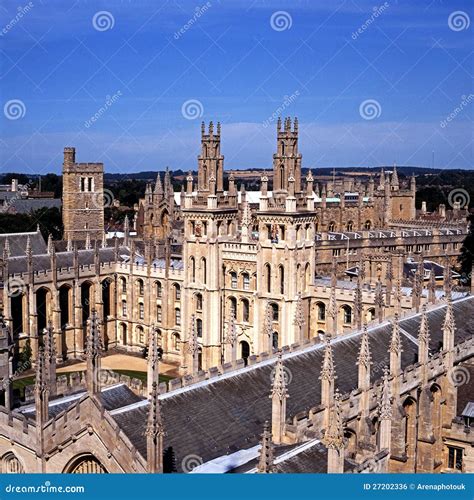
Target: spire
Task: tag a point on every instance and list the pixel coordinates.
(50, 356)
(334, 436)
(379, 300)
(268, 326)
(395, 342)
(265, 460)
(88, 241)
(193, 346)
(447, 278)
(231, 338)
(449, 331)
(432, 286)
(358, 305)
(279, 382)
(299, 319)
(394, 181)
(41, 388)
(69, 243)
(153, 358)
(424, 334)
(126, 230)
(278, 396)
(93, 353)
(364, 358)
(154, 433)
(382, 179)
(327, 369)
(158, 185)
(50, 244)
(385, 409)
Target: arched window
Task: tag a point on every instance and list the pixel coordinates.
(245, 310)
(159, 289)
(244, 351)
(176, 341)
(281, 279)
(140, 287)
(192, 267)
(177, 316)
(85, 464)
(177, 292)
(159, 314)
(246, 281)
(347, 314)
(233, 306)
(332, 227)
(124, 307)
(203, 270)
(368, 224)
(11, 465)
(199, 327)
(140, 335)
(123, 285)
(198, 302)
(141, 310)
(321, 309)
(268, 277)
(275, 311)
(350, 226)
(275, 340)
(233, 279)
(370, 314)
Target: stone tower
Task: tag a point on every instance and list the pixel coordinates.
(210, 161)
(83, 198)
(286, 160)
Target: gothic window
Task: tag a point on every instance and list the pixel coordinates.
(83, 184)
(350, 225)
(90, 184)
(233, 306)
(275, 312)
(245, 310)
(141, 310)
(159, 314)
(11, 465)
(176, 340)
(371, 314)
(246, 281)
(332, 227)
(159, 289)
(198, 302)
(86, 464)
(244, 351)
(177, 292)
(233, 279)
(275, 340)
(140, 335)
(124, 307)
(199, 327)
(192, 266)
(203, 270)
(347, 315)
(281, 273)
(123, 283)
(368, 224)
(455, 458)
(321, 308)
(140, 287)
(268, 277)
(177, 316)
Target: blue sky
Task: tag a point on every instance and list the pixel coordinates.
(371, 83)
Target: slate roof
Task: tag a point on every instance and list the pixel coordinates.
(224, 415)
(21, 206)
(17, 243)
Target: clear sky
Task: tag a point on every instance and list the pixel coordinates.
(371, 83)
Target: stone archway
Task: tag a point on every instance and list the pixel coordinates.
(85, 464)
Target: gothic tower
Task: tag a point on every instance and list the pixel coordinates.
(210, 161)
(286, 160)
(83, 198)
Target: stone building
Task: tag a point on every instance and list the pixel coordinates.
(83, 198)
(303, 270)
